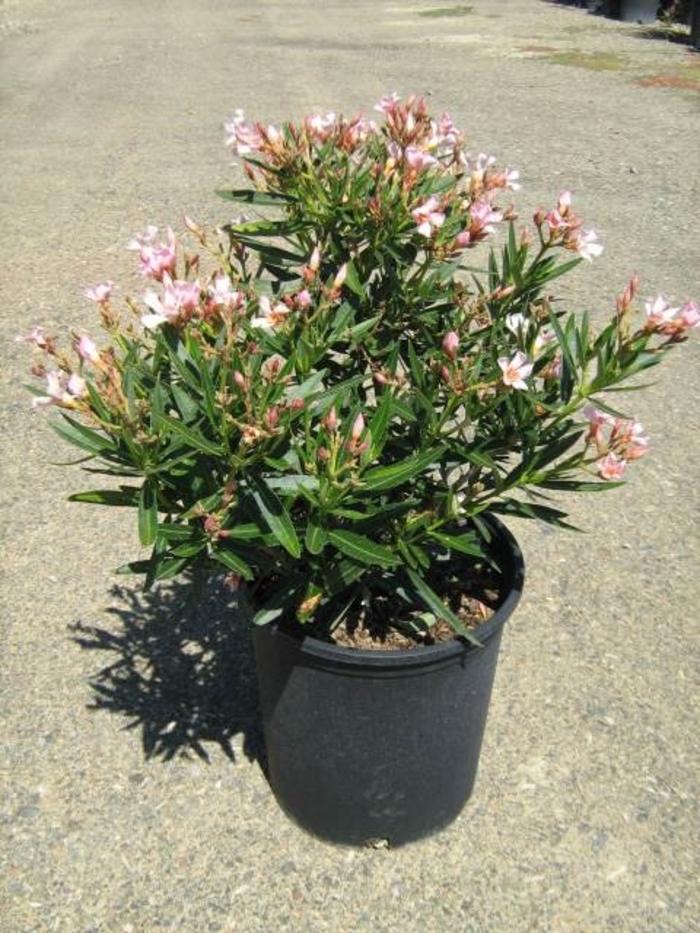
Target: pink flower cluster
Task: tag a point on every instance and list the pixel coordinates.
(671, 322)
(158, 258)
(61, 389)
(563, 227)
(617, 441)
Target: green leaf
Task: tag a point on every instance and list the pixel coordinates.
(316, 536)
(275, 515)
(379, 424)
(531, 510)
(148, 513)
(362, 549)
(77, 434)
(388, 477)
(232, 561)
(353, 282)
(438, 607)
(246, 196)
(124, 496)
(465, 544)
(193, 437)
(566, 485)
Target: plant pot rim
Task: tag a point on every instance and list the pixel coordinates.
(341, 656)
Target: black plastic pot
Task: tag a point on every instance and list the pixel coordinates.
(369, 745)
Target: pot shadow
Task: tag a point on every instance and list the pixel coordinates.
(182, 671)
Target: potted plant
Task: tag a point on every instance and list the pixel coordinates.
(331, 404)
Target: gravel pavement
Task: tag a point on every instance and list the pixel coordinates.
(133, 798)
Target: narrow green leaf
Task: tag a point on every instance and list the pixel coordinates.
(246, 196)
(193, 437)
(362, 549)
(148, 513)
(389, 477)
(124, 496)
(316, 536)
(465, 544)
(275, 515)
(77, 434)
(438, 607)
(232, 561)
(353, 282)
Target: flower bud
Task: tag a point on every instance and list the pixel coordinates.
(331, 422)
(450, 345)
(358, 427)
(340, 277)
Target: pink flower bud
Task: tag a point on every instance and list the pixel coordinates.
(450, 345)
(87, 350)
(357, 427)
(303, 299)
(331, 422)
(240, 380)
(340, 277)
(315, 260)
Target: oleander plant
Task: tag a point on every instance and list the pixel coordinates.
(323, 401)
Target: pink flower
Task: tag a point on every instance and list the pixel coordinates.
(597, 419)
(629, 440)
(428, 217)
(418, 160)
(561, 218)
(60, 392)
(388, 103)
(180, 300)
(320, 127)
(611, 467)
(689, 315)
(587, 245)
(446, 132)
(101, 293)
(36, 336)
(156, 258)
(270, 318)
(77, 387)
(462, 240)
(478, 166)
(508, 178)
(515, 371)
(483, 217)
(222, 293)
(243, 138)
(671, 322)
(87, 350)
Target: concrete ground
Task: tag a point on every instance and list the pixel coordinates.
(132, 796)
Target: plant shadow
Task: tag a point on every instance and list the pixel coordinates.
(181, 671)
